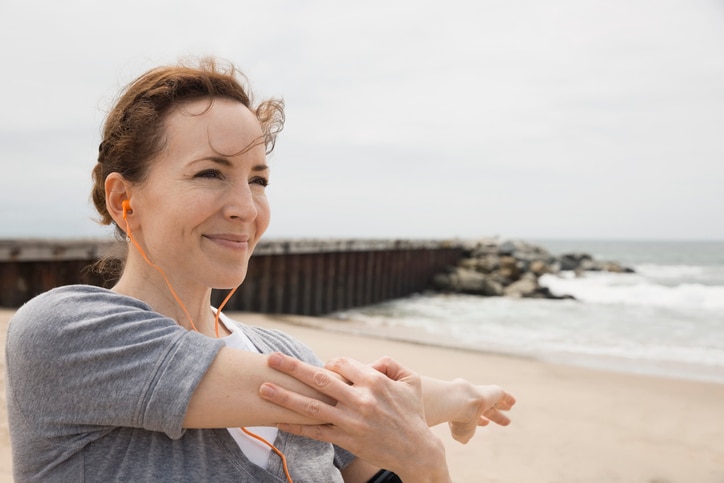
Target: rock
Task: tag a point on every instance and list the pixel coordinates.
(469, 281)
(463, 280)
(484, 247)
(571, 261)
(488, 264)
(602, 266)
(468, 263)
(484, 264)
(476, 283)
(507, 248)
(509, 268)
(539, 267)
(583, 262)
(493, 287)
(442, 282)
(512, 268)
(545, 293)
(522, 288)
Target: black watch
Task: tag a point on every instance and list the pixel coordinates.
(385, 476)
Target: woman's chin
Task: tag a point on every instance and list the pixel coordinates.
(229, 283)
(225, 287)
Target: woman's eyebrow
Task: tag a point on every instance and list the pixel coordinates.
(226, 162)
(216, 159)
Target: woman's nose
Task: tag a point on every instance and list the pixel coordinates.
(241, 205)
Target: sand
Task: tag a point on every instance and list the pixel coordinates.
(570, 424)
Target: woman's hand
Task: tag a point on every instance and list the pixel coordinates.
(465, 406)
(379, 415)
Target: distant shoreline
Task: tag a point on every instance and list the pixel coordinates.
(633, 367)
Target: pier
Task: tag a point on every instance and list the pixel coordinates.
(304, 277)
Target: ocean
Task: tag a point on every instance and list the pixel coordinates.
(666, 319)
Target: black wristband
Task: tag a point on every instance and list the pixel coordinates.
(385, 476)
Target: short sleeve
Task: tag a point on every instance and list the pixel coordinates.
(83, 358)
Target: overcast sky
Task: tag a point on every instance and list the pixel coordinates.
(405, 119)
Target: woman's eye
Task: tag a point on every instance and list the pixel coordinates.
(259, 180)
(209, 173)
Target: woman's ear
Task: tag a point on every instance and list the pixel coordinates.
(118, 194)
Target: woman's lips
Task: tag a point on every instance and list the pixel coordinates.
(236, 242)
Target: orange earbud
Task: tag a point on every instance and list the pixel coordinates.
(126, 208)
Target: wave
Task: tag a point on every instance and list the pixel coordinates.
(651, 287)
(681, 274)
(629, 326)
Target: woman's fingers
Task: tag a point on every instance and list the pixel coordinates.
(329, 417)
(505, 402)
(497, 417)
(324, 381)
(488, 404)
(357, 373)
(391, 368)
(306, 406)
(350, 384)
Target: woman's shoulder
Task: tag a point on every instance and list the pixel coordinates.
(75, 301)
(76, 307)
(83, 293)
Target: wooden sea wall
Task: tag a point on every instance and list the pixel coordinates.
(307, 277)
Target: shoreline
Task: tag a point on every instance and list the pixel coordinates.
(618, 365)
(570, 423)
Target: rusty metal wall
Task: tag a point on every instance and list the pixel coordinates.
(290, 277)
(321, 283)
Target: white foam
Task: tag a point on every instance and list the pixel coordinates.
(681, 274)
(635, 290)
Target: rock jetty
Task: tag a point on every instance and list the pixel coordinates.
(512, 268)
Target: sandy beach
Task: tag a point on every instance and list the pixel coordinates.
(570, 424)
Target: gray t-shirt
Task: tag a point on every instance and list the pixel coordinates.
(97, 390)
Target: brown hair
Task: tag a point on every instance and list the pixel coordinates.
(134, 129)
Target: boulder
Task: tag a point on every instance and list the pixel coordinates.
(525, 287)
(509, 268)
(463, 280)
(512, 268)
(572, 261)
(539, 267)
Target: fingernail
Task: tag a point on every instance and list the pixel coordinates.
(275, 360)
(266, 391)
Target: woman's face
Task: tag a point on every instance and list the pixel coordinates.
(203, 207)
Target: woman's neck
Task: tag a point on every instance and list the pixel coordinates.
(187, 304)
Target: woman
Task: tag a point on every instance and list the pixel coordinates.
(147, 382)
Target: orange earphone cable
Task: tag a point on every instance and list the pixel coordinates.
(218, 311)
(273, 448)
(127, 206)
(246, 431)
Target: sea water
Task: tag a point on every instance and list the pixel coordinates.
(665, 319)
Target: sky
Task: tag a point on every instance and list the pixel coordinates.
(405, 119)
